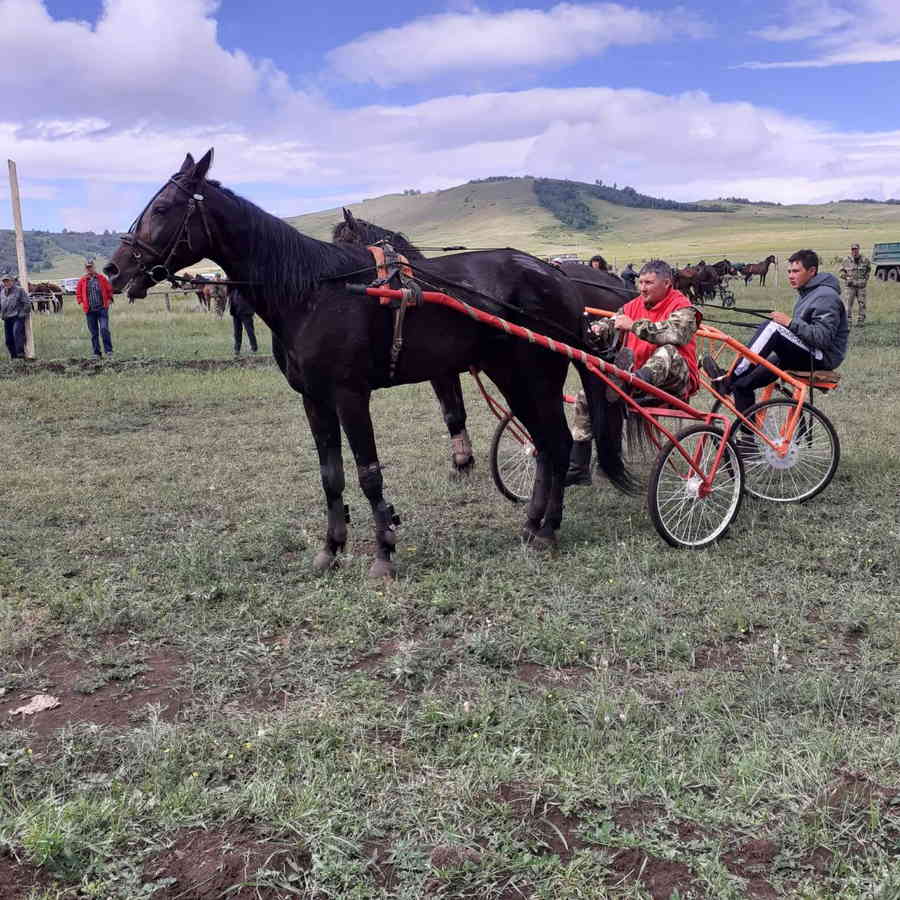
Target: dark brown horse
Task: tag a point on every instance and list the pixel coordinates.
(333, 346)
(447, 388)
(760, 268)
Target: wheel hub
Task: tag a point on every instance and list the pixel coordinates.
(692, 487)
(776, 461)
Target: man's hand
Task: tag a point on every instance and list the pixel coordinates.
(621, 322)
(781, 318)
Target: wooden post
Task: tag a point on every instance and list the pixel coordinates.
(20, 250)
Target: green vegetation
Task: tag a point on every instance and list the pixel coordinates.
(44, 249)
(562, 199)
(618, 720)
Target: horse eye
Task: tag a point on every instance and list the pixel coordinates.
(161, 209)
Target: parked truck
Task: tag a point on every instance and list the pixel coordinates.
(886, 261)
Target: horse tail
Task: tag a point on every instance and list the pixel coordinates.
(607, 421)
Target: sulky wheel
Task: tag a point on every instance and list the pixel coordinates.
(810, 461)
(512, 460)
(684, 512)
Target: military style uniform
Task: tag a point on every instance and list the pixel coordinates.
(855, 273)
(665, 368)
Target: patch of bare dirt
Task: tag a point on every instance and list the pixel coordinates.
(77, 366)
(752, 861)
(103, 693)
(208, 865)
(375, 657)
(852, 795)
(731, 654)
(566, 677)
(637, 815)
(661, 878)
(18, 878)
(543, 820)
(378, 853)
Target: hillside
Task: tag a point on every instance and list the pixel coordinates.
(56, 255)
(507, 213)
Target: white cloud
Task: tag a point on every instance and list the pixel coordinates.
(836, 35)
(480, 41)
(125, 138)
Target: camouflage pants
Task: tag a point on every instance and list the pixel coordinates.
(853, 294)
(666, 369)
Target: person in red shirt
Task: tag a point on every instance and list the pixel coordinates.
(94, 294)
(658, 329)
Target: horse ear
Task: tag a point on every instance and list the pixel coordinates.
(187, 165)
(348, 218)
(203, 165)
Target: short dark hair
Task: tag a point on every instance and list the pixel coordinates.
(599, 259)
(658, 267)
(809, 259)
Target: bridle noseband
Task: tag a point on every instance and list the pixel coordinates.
(161, 271)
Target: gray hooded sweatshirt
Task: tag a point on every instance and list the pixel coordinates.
(14, 303)
(820, 319)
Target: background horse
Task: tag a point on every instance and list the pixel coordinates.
(760, 268)
(333, 346)
(447, 388)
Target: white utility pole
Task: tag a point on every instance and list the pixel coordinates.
(20, 250)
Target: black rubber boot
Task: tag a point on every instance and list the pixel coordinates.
(579, 464)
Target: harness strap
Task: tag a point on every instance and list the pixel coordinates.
(393, 267)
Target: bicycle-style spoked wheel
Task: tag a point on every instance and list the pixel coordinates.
(513, 465)
(685, 513)
(807, 466)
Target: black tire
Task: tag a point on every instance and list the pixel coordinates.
(682, 517)
(808, 466)
(881, 274)
(512, 460)
(893, 274)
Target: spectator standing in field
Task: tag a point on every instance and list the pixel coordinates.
(15, 308)
(241, 319)
(855, 271)
(94, 294)
(598, 262)
(629, 276)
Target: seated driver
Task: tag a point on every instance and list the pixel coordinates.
(658, 328)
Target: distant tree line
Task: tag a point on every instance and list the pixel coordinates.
(892, 202)
(747, 202)
(564, 199)
(42, 247)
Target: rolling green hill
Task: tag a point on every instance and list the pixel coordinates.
(507, 213)
(53, 255)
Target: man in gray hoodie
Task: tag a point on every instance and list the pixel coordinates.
(15, 308)
(814, 336)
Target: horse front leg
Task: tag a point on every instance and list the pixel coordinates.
(324, 424)
(448, 391)
(353, 410)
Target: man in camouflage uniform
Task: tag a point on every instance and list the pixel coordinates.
(855, 271)
(658, 329)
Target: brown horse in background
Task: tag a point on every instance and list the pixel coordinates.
(760, 268)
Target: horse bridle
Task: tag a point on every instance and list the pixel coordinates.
(160, 271)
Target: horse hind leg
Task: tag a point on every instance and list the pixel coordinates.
(448, 391)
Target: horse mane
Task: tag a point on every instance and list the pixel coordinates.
(363, 234)
(283, 262)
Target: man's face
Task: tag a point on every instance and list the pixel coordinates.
(653, 288)
(7, 283)
(855, 252)
(595, 264)
(798, 275)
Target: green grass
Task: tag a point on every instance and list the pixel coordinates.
(546, 722)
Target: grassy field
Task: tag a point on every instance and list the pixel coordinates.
(617, 720)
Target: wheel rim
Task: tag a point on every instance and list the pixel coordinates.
(804, 467)
(515, 464)
(689, 519)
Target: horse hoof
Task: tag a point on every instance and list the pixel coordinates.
(462, 466)
(529, 532)
(324, 560)
(545, 542)
(382, 568)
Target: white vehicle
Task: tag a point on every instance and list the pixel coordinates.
(69, 285)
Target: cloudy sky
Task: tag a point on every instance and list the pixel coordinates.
(310, 104)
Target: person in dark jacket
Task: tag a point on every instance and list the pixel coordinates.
(241, 320)
(814, 337)
(15, 308)
(629, 276)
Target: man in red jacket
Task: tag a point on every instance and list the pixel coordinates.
(94, 294)
(658, 329)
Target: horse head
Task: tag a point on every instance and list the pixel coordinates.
(359, 232)
(172, 232)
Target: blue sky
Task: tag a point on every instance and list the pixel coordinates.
(313, 104)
